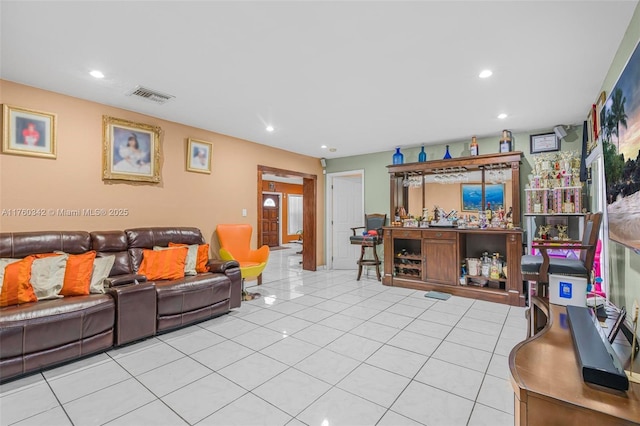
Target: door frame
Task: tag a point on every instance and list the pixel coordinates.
(279, 194)
(309, 206)
(329, 209)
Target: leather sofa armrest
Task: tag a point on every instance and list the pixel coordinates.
(222, 265)
(231, 268)
(136, 311)
(124, 280)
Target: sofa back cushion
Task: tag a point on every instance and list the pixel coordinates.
(22, 244)
(146, 238)
(107, 243)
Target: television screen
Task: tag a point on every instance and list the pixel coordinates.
(620, 137)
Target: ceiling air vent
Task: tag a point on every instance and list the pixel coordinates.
(150, 95)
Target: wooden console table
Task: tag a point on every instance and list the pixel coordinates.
(548, 386)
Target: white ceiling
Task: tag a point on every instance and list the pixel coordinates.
(356, 76)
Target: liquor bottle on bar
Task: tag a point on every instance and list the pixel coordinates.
(505, 141)
(473, 148)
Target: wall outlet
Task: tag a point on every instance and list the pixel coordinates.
(244, 212)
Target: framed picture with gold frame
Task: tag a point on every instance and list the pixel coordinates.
(130, 151)
(199, 156)
(28, 132)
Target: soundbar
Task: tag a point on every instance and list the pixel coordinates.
(599, 364)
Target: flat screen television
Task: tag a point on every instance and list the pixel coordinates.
(620, 138)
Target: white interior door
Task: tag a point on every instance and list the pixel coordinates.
(347, 204)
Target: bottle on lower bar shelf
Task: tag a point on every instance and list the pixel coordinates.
(485, 265)
(495, 267)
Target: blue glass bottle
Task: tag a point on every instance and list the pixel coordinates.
(446, 154)
(422, 157)
(398, 157)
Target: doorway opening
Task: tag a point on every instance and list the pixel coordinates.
(271, 218)
(309, 218)
(345, 210)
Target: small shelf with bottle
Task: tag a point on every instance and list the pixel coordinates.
(481, 281)
(407, 261)
(407, 265)
(486, 272)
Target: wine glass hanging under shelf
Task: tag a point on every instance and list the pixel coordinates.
(412, 180)
(497, 173)
(451, 175)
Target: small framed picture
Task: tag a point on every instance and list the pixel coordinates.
(545, 142)
(130, 151)
(471, 194)
(199, 156)
(28, 132)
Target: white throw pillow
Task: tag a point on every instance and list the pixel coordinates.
(3, 264)
(191, 260)
(101, 269)
(47, 276)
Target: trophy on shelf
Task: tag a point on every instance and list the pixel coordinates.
(543, 232)
(562, 232)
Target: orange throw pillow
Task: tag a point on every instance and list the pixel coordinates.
(163, 264)
(45, 255)
(16, 288)
(203, 256)
(77, 277)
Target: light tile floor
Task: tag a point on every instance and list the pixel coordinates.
(319, 348)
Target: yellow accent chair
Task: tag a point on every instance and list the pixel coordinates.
(235, 244)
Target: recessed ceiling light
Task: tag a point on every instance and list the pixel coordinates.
(96, 74)
(269, 128)
(323, 147)
(502, 116)
(485, 73)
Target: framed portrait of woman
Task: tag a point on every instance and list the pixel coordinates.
(28, 132)
(130, 151)
(199, 156)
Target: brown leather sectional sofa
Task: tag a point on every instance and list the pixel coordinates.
(34, 336)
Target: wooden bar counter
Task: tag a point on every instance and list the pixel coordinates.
(548, 386)
(430, 259)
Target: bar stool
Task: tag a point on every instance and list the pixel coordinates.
(371, 237)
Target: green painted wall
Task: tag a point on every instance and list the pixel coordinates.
(624, 270)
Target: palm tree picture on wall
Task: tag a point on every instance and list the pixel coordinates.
(620, 137)
(616, 116)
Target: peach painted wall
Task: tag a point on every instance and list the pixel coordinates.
(73, 180)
